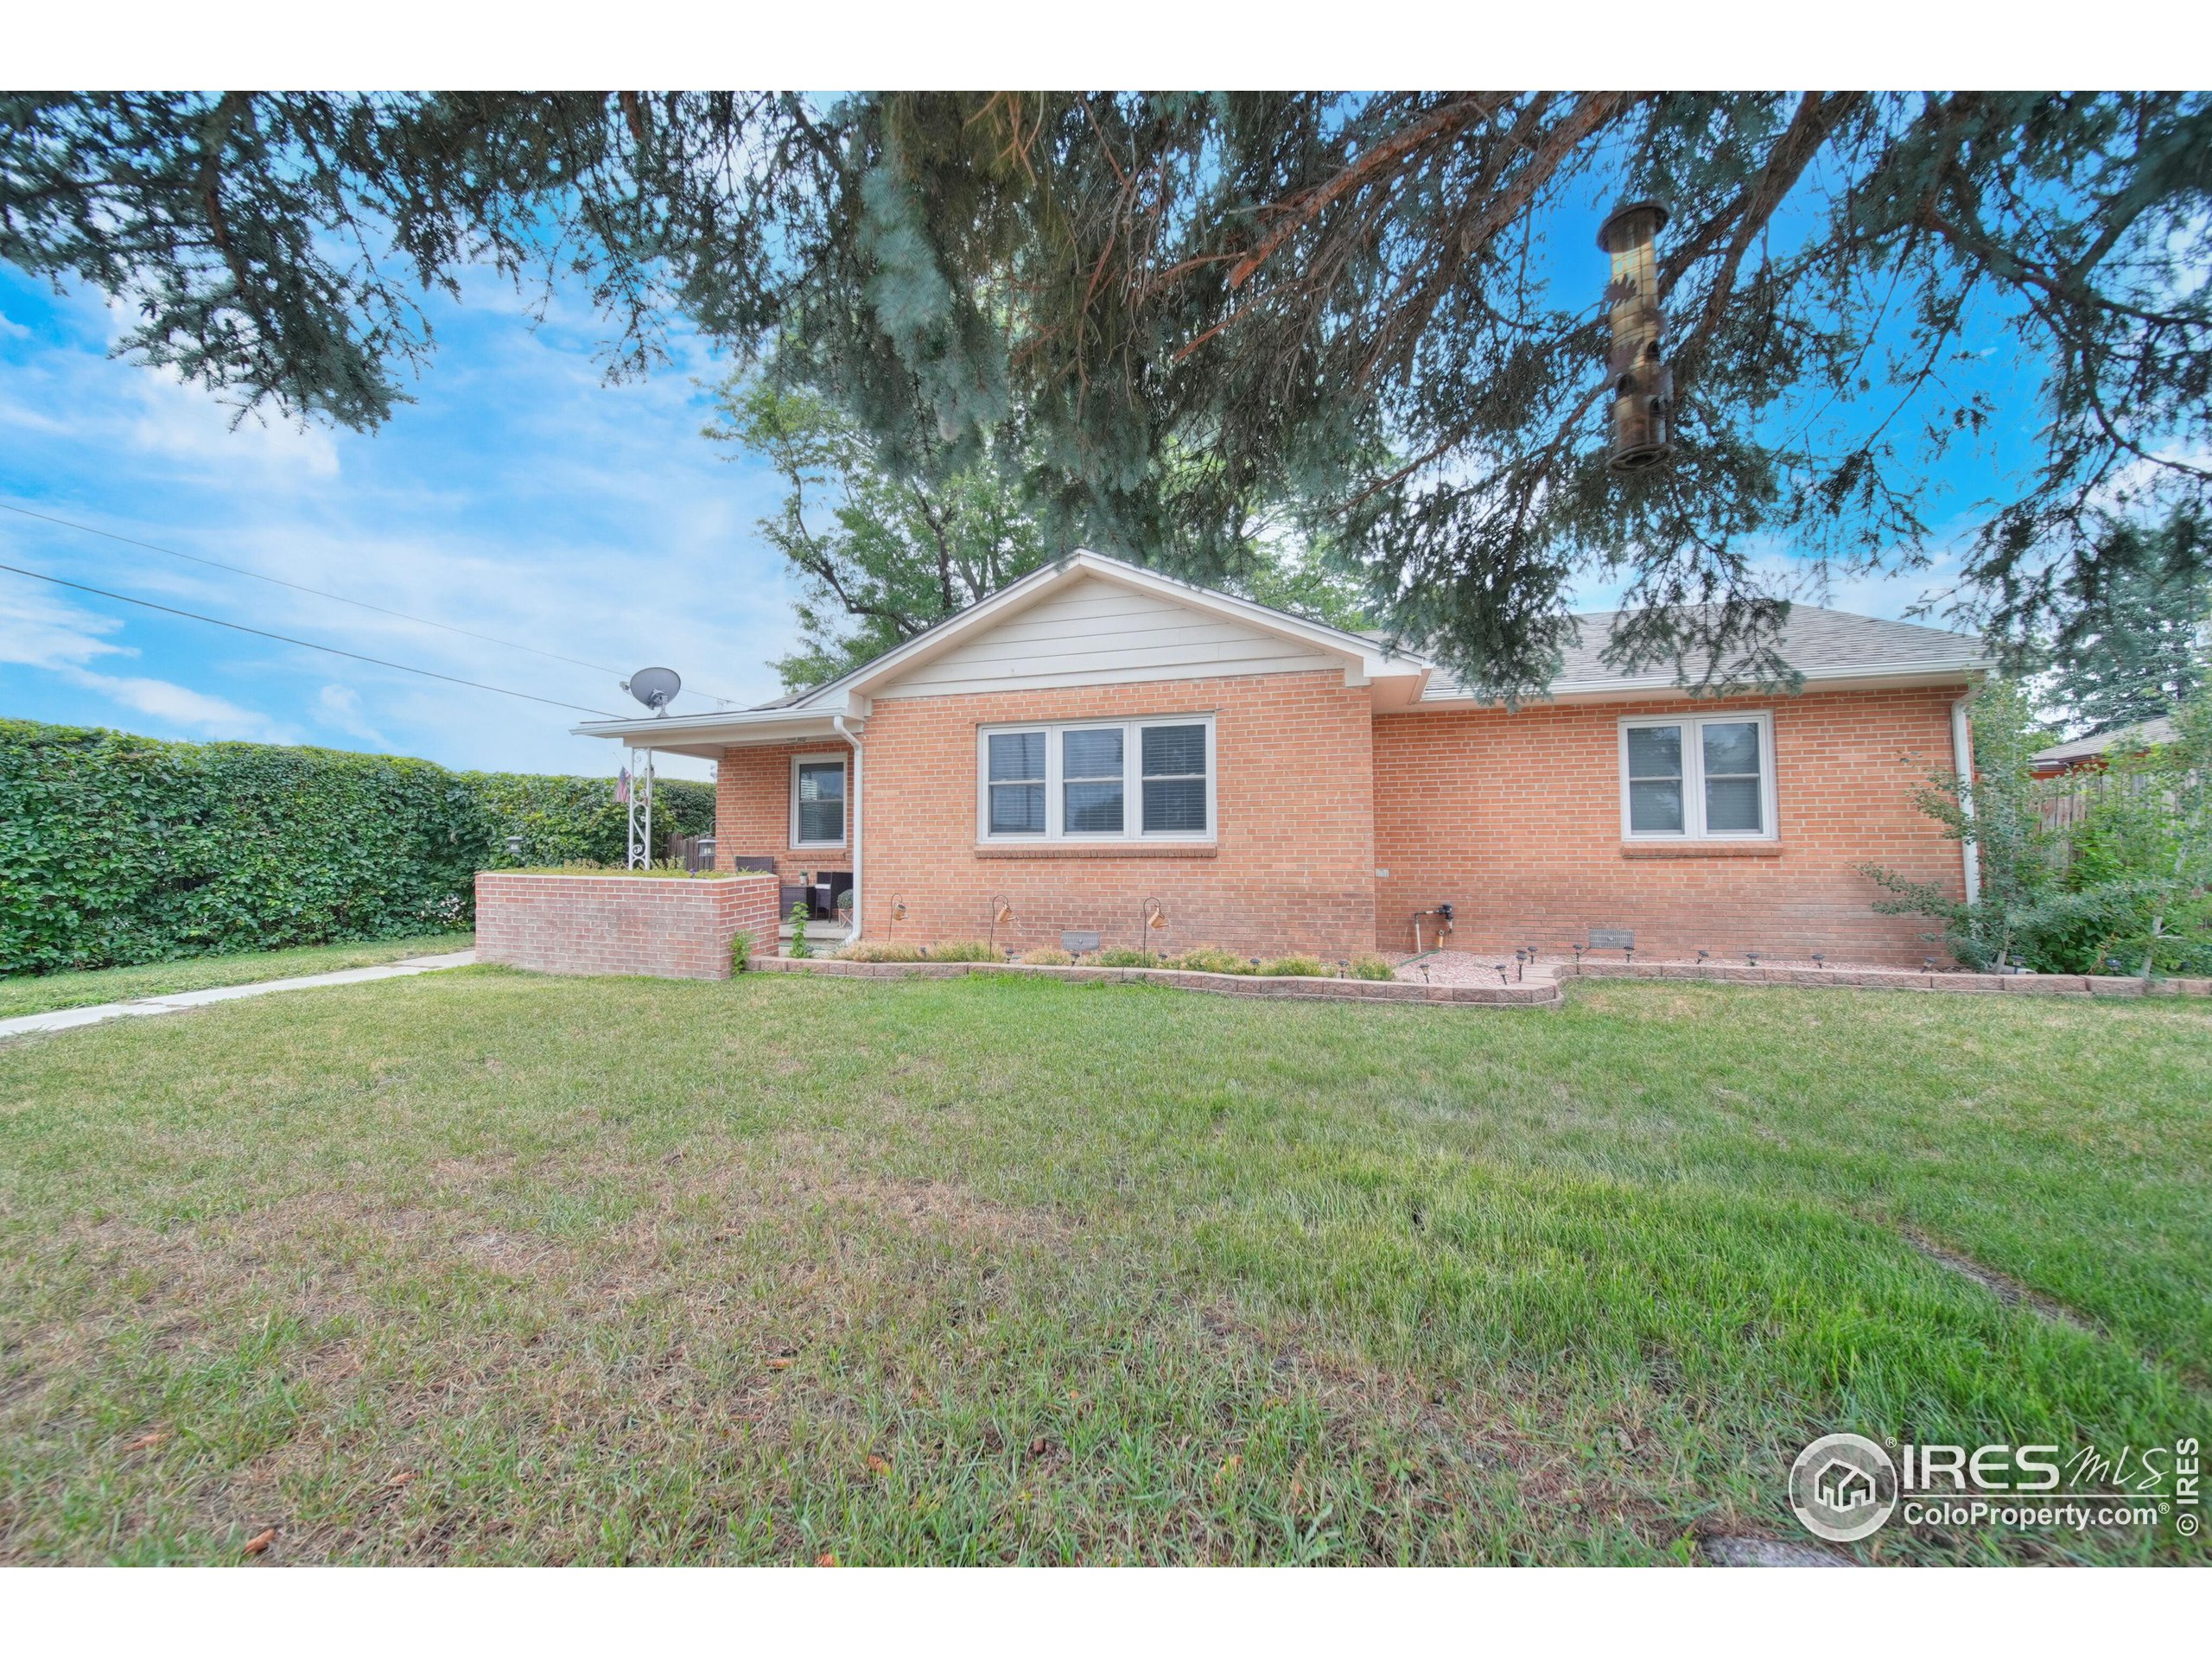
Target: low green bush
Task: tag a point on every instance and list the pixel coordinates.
(673, 872)
(740, 952)
(1120, 955)
(1296, 967)
(963, 950)
(870, 950)
(1372, 967)
(1047, 958)
(1210, 959)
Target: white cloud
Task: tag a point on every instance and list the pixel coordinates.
(185, 424)
(340, 706)
(40, 629)
(180, 705)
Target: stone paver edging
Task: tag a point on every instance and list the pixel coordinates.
(1542, 987)
(1887, 979)
(1534, 994)
(177, 1002)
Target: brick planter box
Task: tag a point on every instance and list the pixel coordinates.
(663, 927)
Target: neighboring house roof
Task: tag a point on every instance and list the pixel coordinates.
(1173, 629)
(2131, 739)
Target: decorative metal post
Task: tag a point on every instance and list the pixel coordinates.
(640, 822)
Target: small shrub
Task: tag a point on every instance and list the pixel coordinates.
(1294, 968)
(664, 870)
(1372, 967)
(1047, 958)
(800, 946)
(964, 951)
(871, 950)
(1209, 959)
(1120, 956)
(740, 952)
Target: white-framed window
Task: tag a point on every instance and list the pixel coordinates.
(1149, 780)
(818, 800)
(1698, 778)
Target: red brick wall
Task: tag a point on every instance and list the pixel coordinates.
(1515, 818)
(666, 927)
(752, 809)
(1293, 868)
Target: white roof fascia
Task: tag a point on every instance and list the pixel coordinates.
(1887, 674)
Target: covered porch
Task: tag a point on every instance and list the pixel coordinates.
(787, 803)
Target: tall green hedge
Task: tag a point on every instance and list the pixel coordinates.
(116, 849)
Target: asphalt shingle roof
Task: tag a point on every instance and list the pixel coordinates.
(2139, 736)
(1815, 641)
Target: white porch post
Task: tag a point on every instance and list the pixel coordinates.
(858, 766)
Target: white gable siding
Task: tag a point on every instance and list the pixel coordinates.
(1097, 632)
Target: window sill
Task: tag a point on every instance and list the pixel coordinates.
(1061, 849)
(1701, 849)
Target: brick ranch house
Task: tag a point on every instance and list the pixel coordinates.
(1099, 740)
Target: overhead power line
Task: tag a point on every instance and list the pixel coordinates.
(324, 593)
(286, 638)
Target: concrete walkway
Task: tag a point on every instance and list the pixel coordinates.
(176, 1003)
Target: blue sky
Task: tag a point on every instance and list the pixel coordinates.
(520, 495)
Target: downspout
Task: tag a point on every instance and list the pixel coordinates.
(860, 764)
(1962, 763)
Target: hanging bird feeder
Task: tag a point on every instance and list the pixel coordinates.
(1642, 385)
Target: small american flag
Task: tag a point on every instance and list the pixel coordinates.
(622, 787)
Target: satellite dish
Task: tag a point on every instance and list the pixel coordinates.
(654, 687)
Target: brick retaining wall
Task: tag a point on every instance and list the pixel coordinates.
(664, 927)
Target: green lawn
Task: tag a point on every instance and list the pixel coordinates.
(36, 994)
(481, 1267)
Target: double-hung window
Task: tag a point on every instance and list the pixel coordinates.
(818, 800)
(1097, 780)
(1014, 771)
(1707, 779)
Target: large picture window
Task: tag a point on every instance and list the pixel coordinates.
(1707, 779)
(1097, 780)
(818, 800)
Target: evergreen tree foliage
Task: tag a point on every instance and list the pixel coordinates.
(1178, 309)
(2134, 638)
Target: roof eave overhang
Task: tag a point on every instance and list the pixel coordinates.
(708, 735)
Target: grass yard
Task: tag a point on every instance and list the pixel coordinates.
(38, 993)
(481, 1267)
